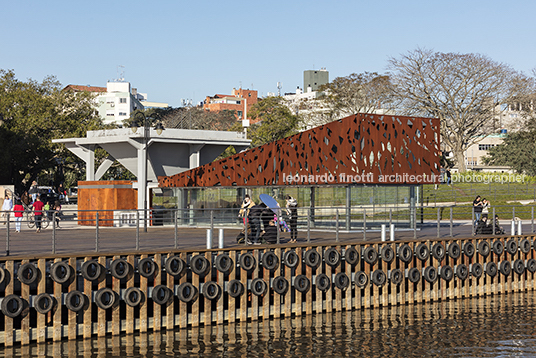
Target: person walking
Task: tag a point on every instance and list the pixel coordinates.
(292, 211)
(6, 206)
(38, 206)
(18, 209)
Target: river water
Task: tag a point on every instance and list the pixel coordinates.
(496, 326)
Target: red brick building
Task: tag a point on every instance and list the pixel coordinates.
(240, 101)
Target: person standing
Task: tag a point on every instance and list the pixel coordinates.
(244, 210)
(255, 222)
(477, 209)
(38, 213)
(33, 191)
(292, 211)
(485, 207)
(57, 213)
(18, 209)
(6, 206)
(449, 176)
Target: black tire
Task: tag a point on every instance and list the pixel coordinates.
(186, 292)
(341, 281)
(302, 283)
(133, 296)
(378, 277)
(280, 285)
(370, 255)
(105, 298)
(351, 256)
(270, 261)
(438, 251)
(519, 267)
(161, 295)
(396, 276)
(414, 275)
(61, 272)
(235, 288)
(312, 258)
(469, 249)
(322, 282)
(223, 263)
(454, 250)
(76, 301)
(462, 272)
(531, 265)
(361, 279)
(332, 257)
(91, 270)
(430, 274)
(476, 270)
(422, 252)
(44, 303)
(211, 290)
(291, 259)
(120, 268)
(511, 246)
(174, 265)
(387, 253)
(146, 267)
(12, 306)
(199, 265)
(2, 274)
(247, 261)
(498, 247)
(484, 248)
(491, 269)
(524, 246)
(505, 267)
(446, 273)
(258, 286)
(405, 253)
(28, 273)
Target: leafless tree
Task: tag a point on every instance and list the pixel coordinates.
(465, 91)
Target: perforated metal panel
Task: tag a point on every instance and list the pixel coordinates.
(363, 148)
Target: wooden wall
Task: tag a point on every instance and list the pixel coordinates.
(178, 312)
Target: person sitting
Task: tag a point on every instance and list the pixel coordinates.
(483, 227)
(270, 233)
(499, 230)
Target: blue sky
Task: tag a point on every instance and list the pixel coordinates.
(190, 49)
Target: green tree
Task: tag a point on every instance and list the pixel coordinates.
(272, 119)
(517, 151)
(31, 115)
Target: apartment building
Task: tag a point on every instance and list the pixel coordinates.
(240, 101)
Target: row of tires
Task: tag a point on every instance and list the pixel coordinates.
(13, 305)
(92, 270)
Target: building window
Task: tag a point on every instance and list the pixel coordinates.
(122, 114)
(239, 114)
(109, 114)
(485, 146)
(122, 100)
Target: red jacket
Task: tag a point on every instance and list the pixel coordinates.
(38, 207)
(18, 209)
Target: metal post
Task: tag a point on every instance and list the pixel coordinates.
(211, 226)
(438, 222)
(513, 228)
(137, 230)
(493, 222)
(390, 217)
(364, 224)
(414, 223)
(278, 226)
(309, 224)
(451, 222)
(7, 237)
(209, 239)
(519, 227)
(176, 233)
(220, 239)
(392, 232)
(532, 219)
(337, 226)
(513, 213)
(383, 235)
(473, 221)
(54, 232)
(246, 239)
(97, 231)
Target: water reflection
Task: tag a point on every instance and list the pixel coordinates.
(488, 327)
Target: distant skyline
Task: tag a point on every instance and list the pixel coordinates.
(175, 50)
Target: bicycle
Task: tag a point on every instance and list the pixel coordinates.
(30, 219)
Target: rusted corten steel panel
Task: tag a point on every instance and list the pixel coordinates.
(362, 148)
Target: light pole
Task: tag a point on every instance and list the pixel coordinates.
(141, 120)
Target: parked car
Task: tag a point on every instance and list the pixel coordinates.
(48, 194)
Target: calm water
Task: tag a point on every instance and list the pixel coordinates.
(500, 326)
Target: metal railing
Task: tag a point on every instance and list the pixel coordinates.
(434, 221)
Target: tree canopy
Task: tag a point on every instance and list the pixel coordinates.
(465, 91)
(275, 121)
(31, 115)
